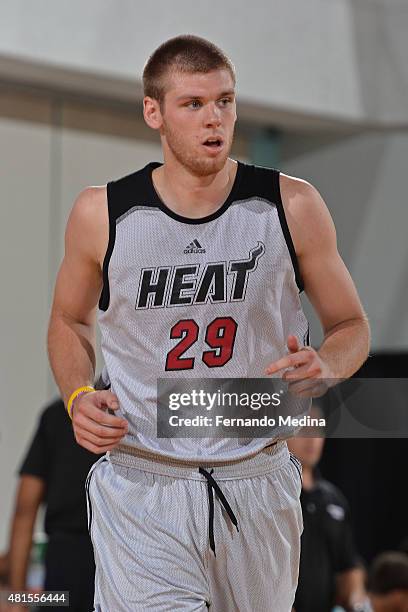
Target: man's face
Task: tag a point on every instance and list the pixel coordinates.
(199, 109)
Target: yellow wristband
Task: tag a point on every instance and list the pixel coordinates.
(74, 395)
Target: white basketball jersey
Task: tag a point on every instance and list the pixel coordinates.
(214, 297)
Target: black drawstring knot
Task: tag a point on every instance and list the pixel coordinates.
(212, 484)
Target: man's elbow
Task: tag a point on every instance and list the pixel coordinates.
(361, 336)
(358, 323)
(366, 335)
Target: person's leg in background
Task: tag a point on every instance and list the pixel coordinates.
(70, 566)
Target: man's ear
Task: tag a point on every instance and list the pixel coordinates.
(152, 113)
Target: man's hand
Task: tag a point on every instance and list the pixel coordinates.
(94, 428)
(305, 371)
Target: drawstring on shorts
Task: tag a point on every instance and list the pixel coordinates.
(212, 484)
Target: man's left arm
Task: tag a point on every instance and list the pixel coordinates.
(329, 287)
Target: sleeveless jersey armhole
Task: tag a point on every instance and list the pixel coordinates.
(105, 293)
(285, 228)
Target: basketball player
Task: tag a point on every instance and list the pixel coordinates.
(195, 266)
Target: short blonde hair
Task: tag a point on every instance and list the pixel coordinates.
(186, 53)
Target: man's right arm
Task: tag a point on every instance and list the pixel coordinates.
(71, 332)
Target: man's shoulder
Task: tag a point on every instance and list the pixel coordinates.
(307, 215)
(134, 189)
(300, 199)
(89, 202)
(95, 197)
(91, 196)
(296, 190)
(123, 185)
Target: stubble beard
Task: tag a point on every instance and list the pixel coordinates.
(198, 165)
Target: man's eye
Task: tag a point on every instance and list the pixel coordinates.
(194, 104)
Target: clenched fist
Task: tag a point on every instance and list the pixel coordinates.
(94, 428)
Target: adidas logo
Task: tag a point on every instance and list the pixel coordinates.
(194, 247)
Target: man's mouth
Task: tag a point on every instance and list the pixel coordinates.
(213, 143)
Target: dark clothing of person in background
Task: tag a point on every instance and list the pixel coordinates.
(327, 546)
(55, 457)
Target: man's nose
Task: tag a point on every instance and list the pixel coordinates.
(213, 116)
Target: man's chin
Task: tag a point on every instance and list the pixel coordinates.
(206, 167)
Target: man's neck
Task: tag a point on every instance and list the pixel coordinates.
(194, 196)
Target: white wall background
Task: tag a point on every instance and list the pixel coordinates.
(342, 59)
(24, 272)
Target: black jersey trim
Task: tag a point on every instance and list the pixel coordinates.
(157, 201)
(105, 294)
(285, 229)
(136, 191)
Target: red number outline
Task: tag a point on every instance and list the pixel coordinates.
(208, 355)
(174, 355)
(188, 330)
